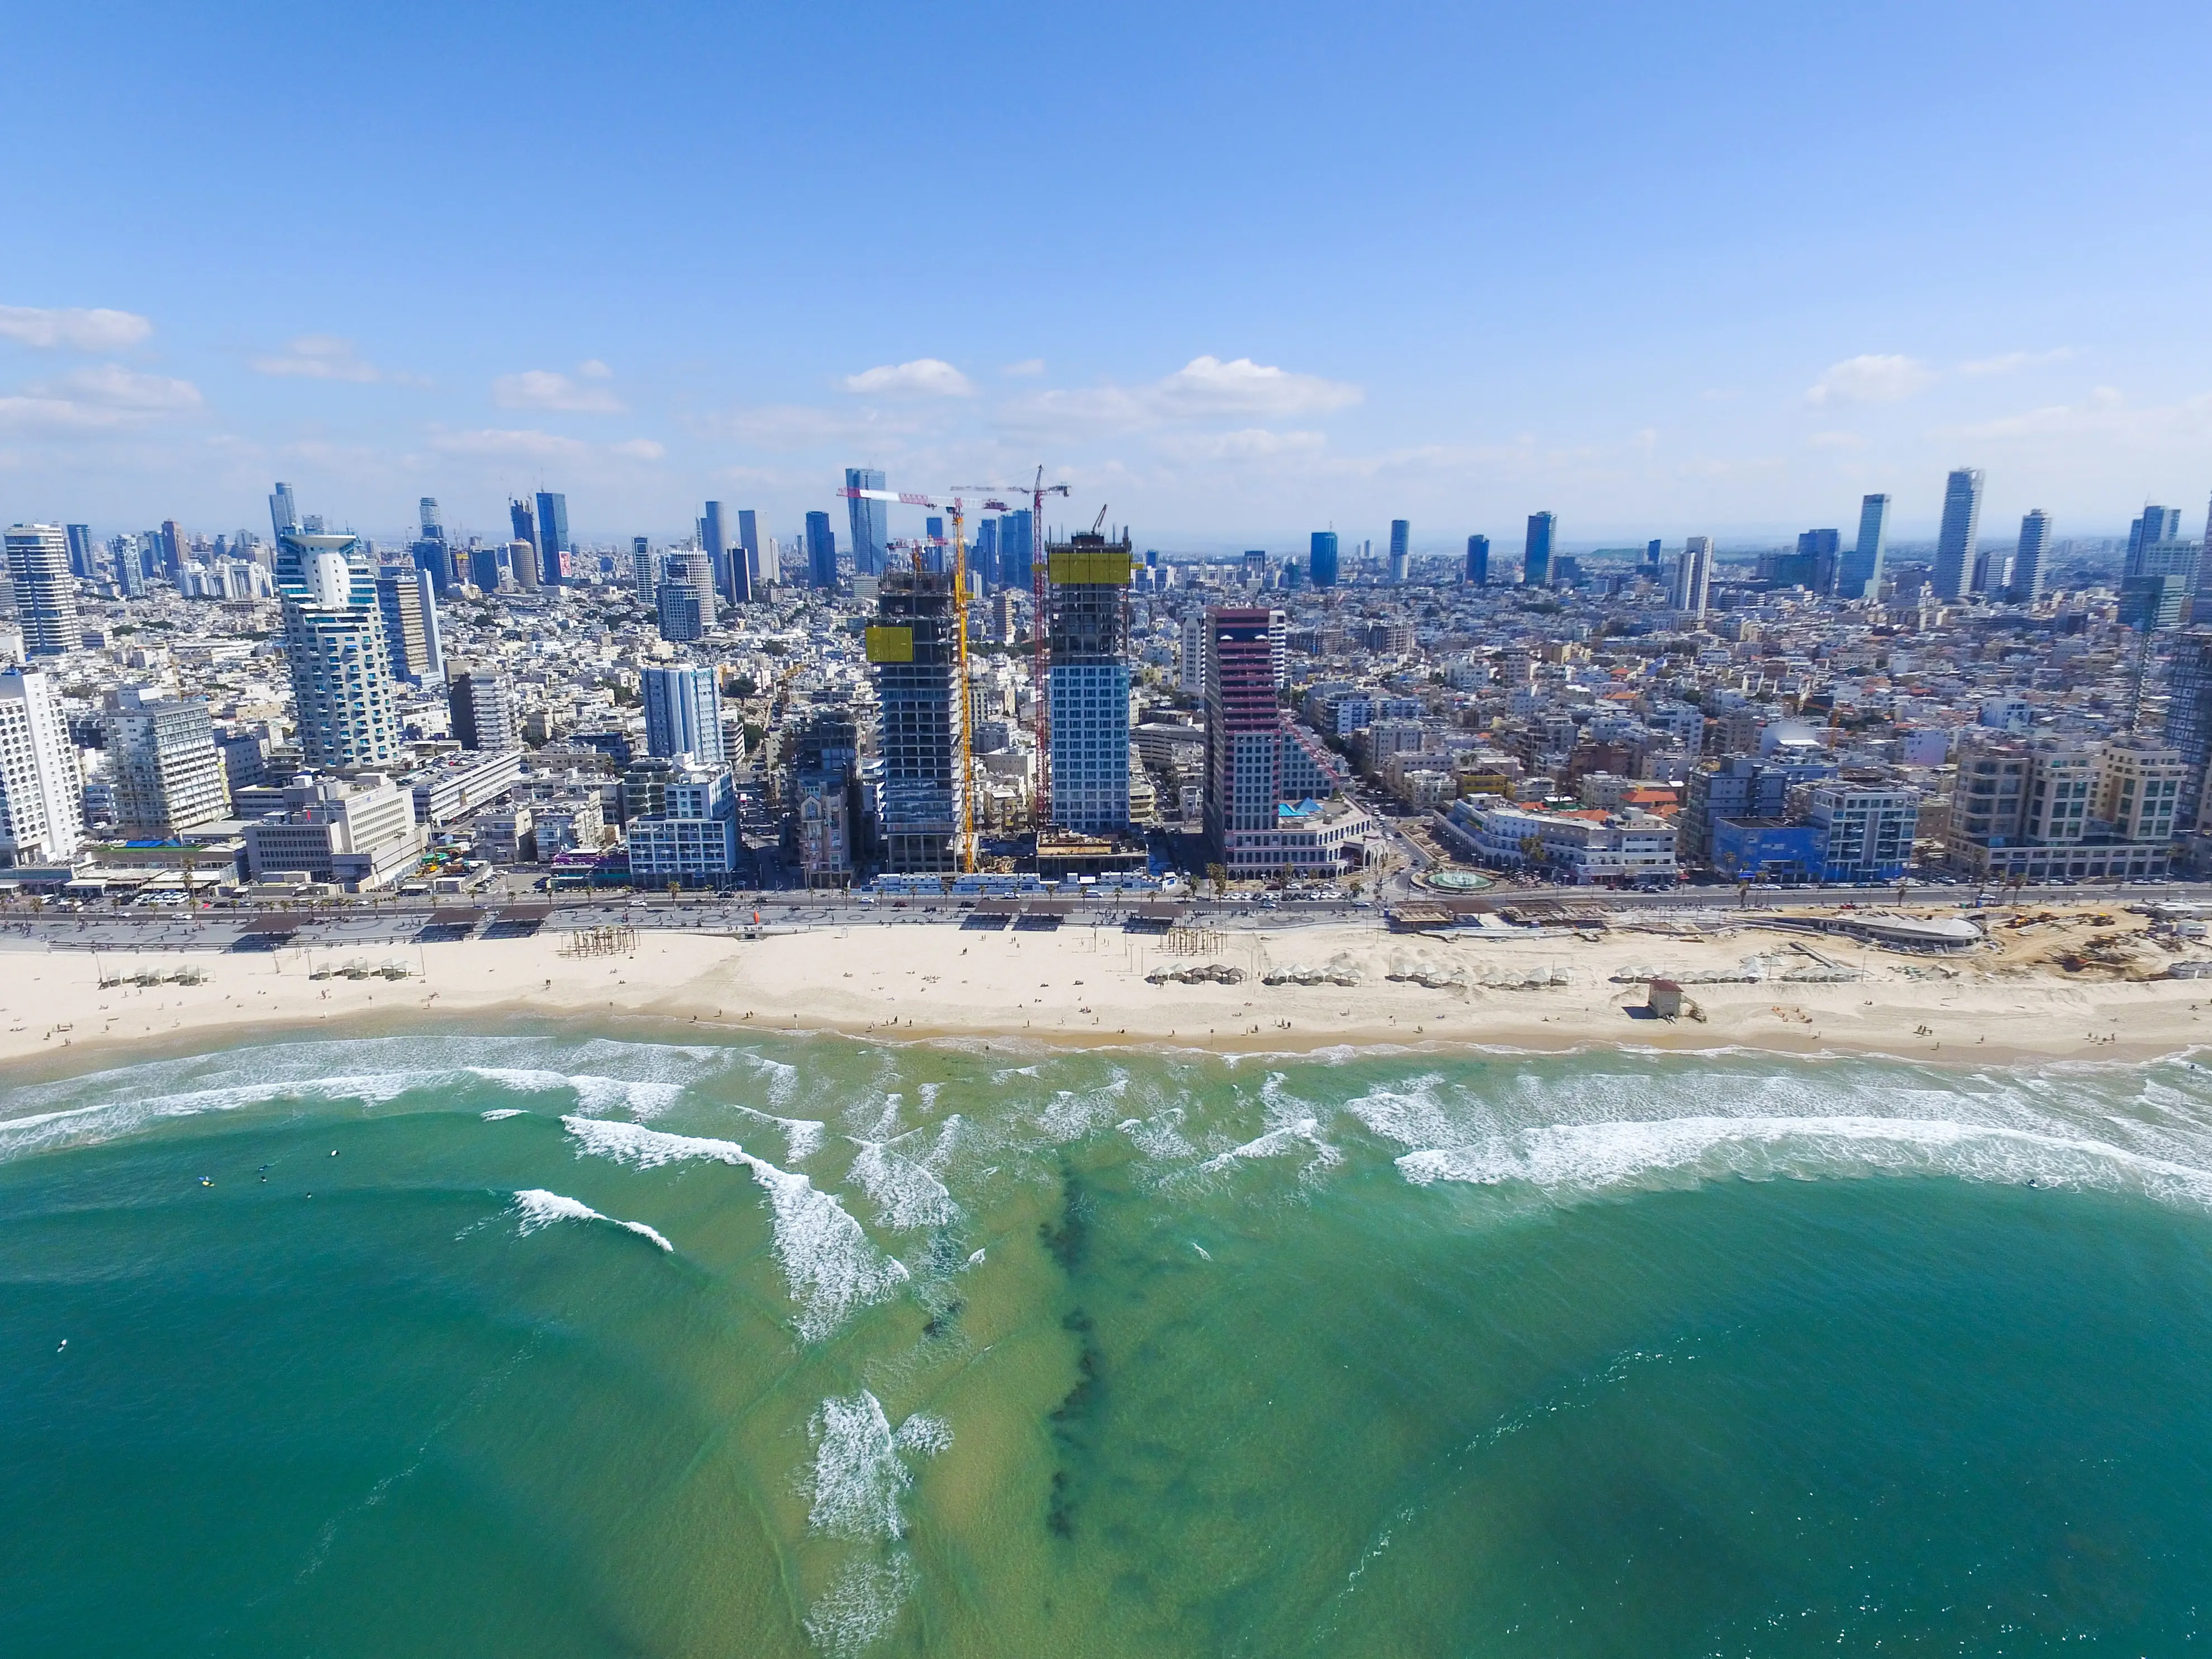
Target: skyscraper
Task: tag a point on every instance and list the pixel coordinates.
(1401, 555)
(84, 552)
(686, 596)
(173, 549)
(1255, 760)
(46, 591)
(870, 524)
(1088, 623)
(335, 640)
(41, 790)
(1960, 531)
(1860, 577)
(167, 773)
(2028, 562)
(283, 513)
(481, 707)
(984, 560)
(1536, 552)
(683, 713)
(748, 539)
(822, 552)
(1478, 560)
(1693, 575)
(714, 543)
(554, 546)
(407, 600)
(1817, 554)
(2158, 524)
(1321, 559)
(525, 568)
(911, 649)
(430, 551)
(2189, 718)
(1017, 548)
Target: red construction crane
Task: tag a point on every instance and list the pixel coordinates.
(1040, 635)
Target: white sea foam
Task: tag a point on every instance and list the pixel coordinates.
(802, 1136)
(905, 1193)
(539, 1208)
(499, 1112)
(832, 1268)
(1288, 1137)
(108, 1119)
(858, 1476)
(862, 1606)
(1159, 1137)
(1571, 1159)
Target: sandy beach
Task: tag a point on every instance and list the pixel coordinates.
(1754, 988)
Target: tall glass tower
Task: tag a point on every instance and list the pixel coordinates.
(1536, 553)
(821, 553)
(1321, 561)
(870, 522)
(553, 544)
(1478, 560)
(1860, 576)
(1960, 531)
(2029, 560)
(1401, 535)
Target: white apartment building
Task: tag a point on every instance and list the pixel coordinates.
(1589, 849)
(41, 788)
(362, 833)
(168, 774)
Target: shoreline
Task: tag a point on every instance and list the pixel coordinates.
(1087, 989)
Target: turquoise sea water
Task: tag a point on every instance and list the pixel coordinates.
(614, 1346)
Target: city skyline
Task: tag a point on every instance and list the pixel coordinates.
(1290, 321)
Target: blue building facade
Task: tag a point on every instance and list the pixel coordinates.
(821, 553)
(1536, 554)
(554, 546)
(683, 713)
(1320, 561)
(870, 523)
(1478, 560)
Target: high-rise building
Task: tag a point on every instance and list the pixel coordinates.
(2189, 717)
(335, 640)
(407, 599)
(283, 513)
(175, 545)
(1536, 552)
(912, 649)
(821, 553)
(45, 591)
(84, 552)
(1255, 760)
(1693, 576)
(1817, 552)
(686, 596)
(168, 775)
(984, 560)
(41, 789)
(870, 523)
(714, 543)
(429, 549)
(1401, 556)
(486, 565)
(2029, 562)
(1017, 548)
(554, 546)
(683, 713)
(1321, 559)
(1089, 630)
(1478, 560)
(481, 707)
(1860, 576)
(2158, 524)
(1956, 540)
(748, 539)
(525, 560)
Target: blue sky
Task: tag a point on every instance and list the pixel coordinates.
(1237, 272)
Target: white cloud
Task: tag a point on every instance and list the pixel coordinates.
(321, 357)
(798, 426)
(924, 377)
(542, 388)
(1205, 388)
(2104, 414)
(496, 443)
(2006, 362)
(593, 369)
(1871, 378)
(1206, 385)
(1027, 366)
(97, 399)
(78, 330)
(1252, 444)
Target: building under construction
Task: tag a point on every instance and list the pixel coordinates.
(1088, 638)
(913, 648)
